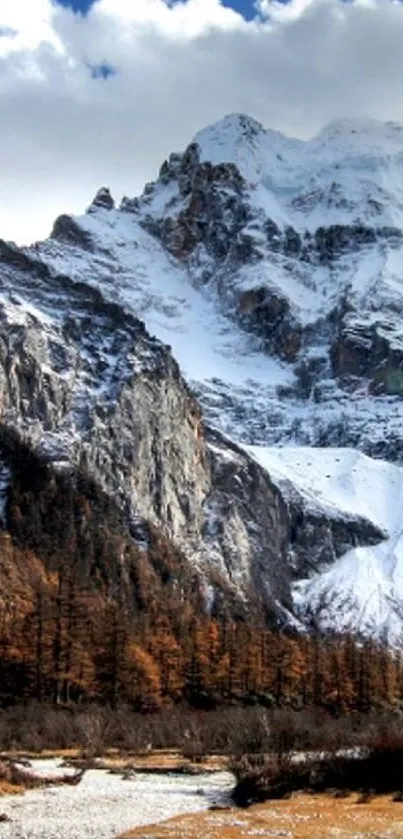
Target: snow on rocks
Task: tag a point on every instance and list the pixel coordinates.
(103, 805)
(335, 173)
(364, 588)
(322, 221)
(283, 308)
(155, 288)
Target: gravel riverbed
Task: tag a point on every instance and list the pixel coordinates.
(103, 805)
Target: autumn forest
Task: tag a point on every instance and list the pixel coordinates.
(89, 615)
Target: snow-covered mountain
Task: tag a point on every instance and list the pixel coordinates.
(273, 268)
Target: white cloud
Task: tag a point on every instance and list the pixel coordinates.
(31, 20)
(64, 134)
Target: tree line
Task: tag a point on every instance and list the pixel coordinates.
(75, 644)
(86, 614)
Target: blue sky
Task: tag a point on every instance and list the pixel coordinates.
(77, 5)
(245, 7)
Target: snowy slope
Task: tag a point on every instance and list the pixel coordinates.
(131, 267)
(351, 174)
(363, 588)
(342, 171)
(251, 395)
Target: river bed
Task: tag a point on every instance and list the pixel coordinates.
(103, 805)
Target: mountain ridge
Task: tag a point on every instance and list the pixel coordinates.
(287, 331)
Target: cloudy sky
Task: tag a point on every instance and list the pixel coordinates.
(98, 93)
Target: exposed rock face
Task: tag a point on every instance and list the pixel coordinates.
(89, 390)
(103, 200)
(363, 350)
(269, 315)
(248, 508)
(66, 230)
(317, 540)
(88, 386)
(214, 213)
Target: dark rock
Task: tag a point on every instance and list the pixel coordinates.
(103, 200)
(292, 242)
(129, 205)
(66, 230)
(316, 540)
(267, 314)
(364, 351)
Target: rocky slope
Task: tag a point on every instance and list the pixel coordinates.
(271, 267)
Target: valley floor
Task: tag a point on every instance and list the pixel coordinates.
(104, 804)
(301, 817)
(157, 801)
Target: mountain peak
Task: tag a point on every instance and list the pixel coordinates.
(240, 126)
(260, 152)
(351, 125)
(242, 140)
(360, 136)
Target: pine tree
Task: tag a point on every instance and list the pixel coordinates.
(140, 679)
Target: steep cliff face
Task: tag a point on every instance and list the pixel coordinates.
(89, 390)
(84, 383)
(289, 532)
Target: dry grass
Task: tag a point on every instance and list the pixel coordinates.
(159, 762)
(167, 761)
(6, 788)
(39, 754)
(301, 817)
(113, 760)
